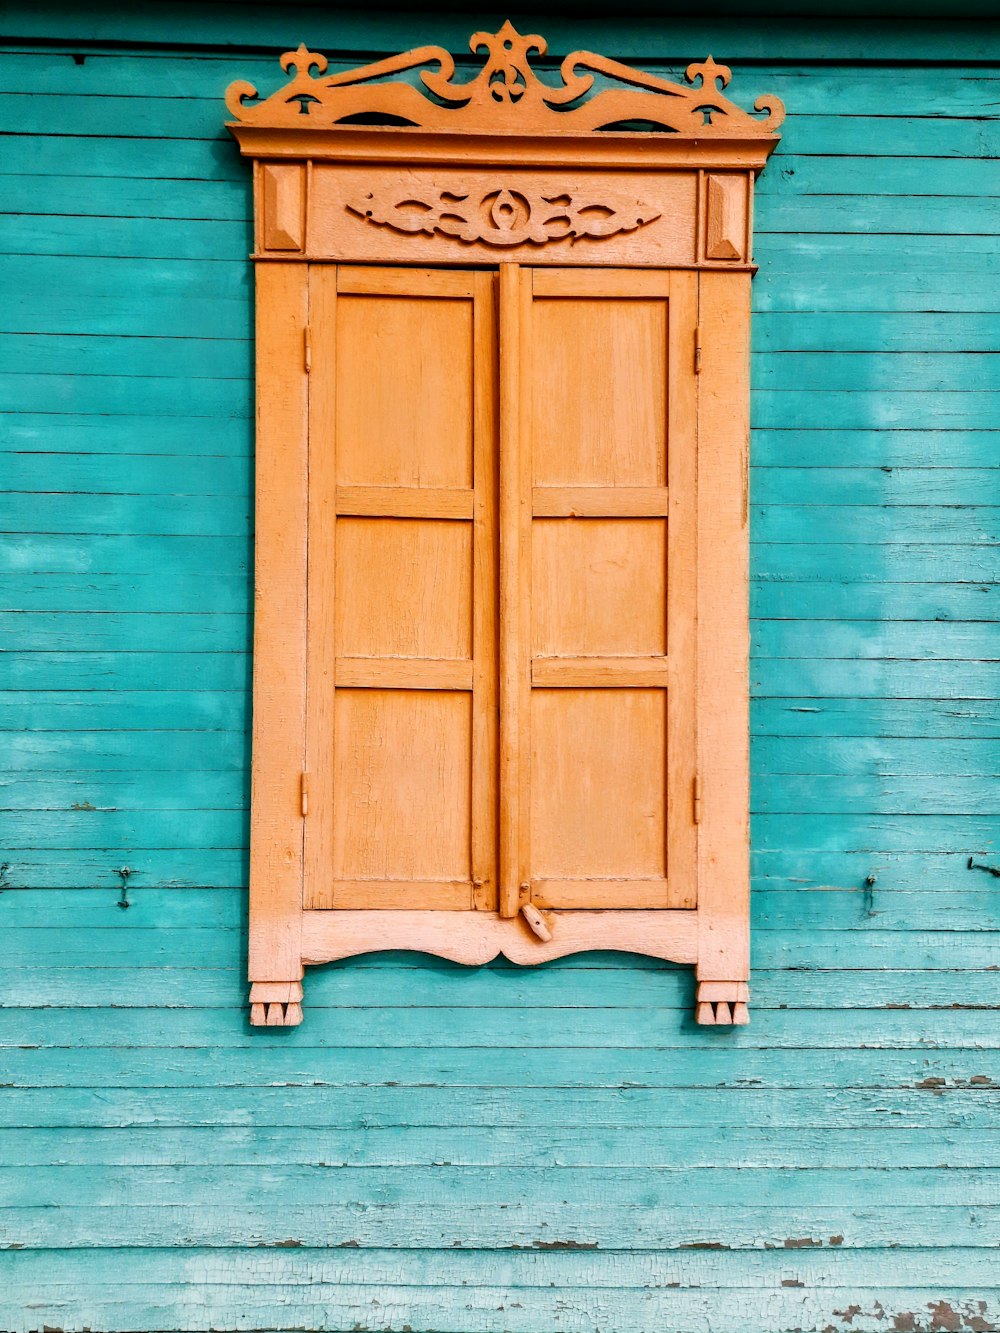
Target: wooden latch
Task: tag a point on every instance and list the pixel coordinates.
(537, 922)
(696, 798)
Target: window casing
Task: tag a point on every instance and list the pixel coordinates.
(500, 647)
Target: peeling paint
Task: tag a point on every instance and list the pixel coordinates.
(944, 1317)
(848, 1314)
(564, 1245)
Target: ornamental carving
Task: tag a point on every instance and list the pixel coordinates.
(505, 97)
(503, 216)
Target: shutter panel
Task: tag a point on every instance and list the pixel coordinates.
(599, 447)
(402, 573)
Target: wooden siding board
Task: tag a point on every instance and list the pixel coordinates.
(852, 1140)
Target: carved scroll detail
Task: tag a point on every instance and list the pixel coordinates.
(506, 96)
(503, 216)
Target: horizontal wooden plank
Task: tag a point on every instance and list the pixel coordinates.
(195, 475)
(578, 1028)
(117, 553)
(815, 600)
(428, 282)
(945, 88)
(878, 368)
(172, 588)
(444, 1085)
(174, 435)
(418, 1145)
(404, 502)
(641, 37)
(103, 515)
(57, 631)
(108, 1304)
(883, 485)
(69, 789)
(599, 672)
(872, 717)
(817, 446)
(399, 673)
(123, 710)
(163, 355)
(445, 896)
(599, 501)
(627, 893)
(110, 669)
(874, 564)
(530, 1225)
(581, 1185)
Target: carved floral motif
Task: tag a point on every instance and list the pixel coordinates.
(502, 216)
(505, 97)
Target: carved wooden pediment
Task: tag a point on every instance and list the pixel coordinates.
(505, 97)
(405, 160)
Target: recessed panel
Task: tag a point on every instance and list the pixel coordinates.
(599, 586)
(599, 392)
(403, 588)
(404, 391)
(402, 782)
(598, 784)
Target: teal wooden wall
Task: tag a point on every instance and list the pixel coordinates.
(493, 1149)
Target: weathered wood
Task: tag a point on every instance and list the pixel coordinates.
(279, 625)
(123, 714)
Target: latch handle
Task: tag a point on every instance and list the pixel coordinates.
(537, 922)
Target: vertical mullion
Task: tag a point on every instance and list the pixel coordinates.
(515, 606)
(682, 482)
(484, 644)
(279, 625)
(321, 646)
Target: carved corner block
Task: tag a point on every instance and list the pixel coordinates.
(723, 1003)
(726, 201)
(282, 187)
(276, 1004)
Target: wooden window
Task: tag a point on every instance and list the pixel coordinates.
(500, 692)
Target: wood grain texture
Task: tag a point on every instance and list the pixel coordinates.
(403, 588)
(723, 631)
(279, 622)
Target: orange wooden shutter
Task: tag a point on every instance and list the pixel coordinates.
(598, 619)
(401, 672)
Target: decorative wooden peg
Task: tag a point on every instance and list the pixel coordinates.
(723, 1003)
(276, 1004)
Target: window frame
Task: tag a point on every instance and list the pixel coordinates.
(696, 185)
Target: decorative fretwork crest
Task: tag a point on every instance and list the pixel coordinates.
(505, 97)
(502, 216)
